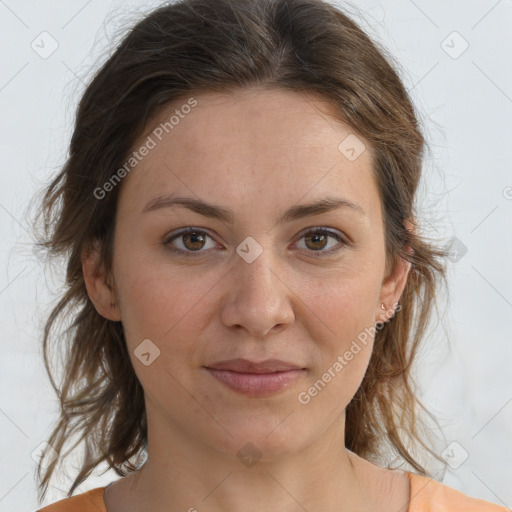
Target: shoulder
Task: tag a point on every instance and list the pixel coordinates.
(90, 501)
(428, 495)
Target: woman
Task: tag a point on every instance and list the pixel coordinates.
(238, 214)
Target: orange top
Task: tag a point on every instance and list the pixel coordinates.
(427, 495)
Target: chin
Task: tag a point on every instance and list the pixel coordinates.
(264, 438)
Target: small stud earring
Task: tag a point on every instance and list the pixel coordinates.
(383, 306)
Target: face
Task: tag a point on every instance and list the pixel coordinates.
(258, 283)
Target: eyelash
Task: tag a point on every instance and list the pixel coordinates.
(322, 231)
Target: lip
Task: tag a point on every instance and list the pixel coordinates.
(256, 379)
(246, 366)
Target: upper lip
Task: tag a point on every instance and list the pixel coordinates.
(247, 366)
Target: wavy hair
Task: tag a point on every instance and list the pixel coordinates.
(194, 46)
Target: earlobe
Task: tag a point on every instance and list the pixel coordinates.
(394, 286)
(98, 285)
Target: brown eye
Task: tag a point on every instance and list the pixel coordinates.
(189, 242)
(193, 240)
(317, 239)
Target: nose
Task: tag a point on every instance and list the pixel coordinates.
(257, 299)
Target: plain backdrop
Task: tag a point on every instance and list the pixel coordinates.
(454, 57)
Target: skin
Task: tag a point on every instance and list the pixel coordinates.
(256, 152)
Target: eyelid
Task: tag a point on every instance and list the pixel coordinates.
(342, 239)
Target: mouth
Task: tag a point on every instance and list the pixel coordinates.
(256, 379)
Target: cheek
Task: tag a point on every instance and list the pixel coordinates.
(156, 300)
(340, 307)
(340, 319)
(163, 308)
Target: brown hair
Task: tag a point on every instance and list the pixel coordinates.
(194, 46)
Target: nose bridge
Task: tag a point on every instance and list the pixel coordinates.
(256, 271)
(258, 299)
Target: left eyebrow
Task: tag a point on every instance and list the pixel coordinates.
(216, 212)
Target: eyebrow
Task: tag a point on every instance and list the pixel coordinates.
(324, 205)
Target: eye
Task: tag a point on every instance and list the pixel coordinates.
(317, 239)
(193, 240)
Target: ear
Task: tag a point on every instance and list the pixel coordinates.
(394, 284)
(99, 286)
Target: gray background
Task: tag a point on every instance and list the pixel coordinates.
(464, 96)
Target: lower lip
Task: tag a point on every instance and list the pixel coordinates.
(257, 384)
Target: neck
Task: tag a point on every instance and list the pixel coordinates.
(191, 475)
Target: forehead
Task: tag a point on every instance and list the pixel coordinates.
(276, 143)
(276, 118)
